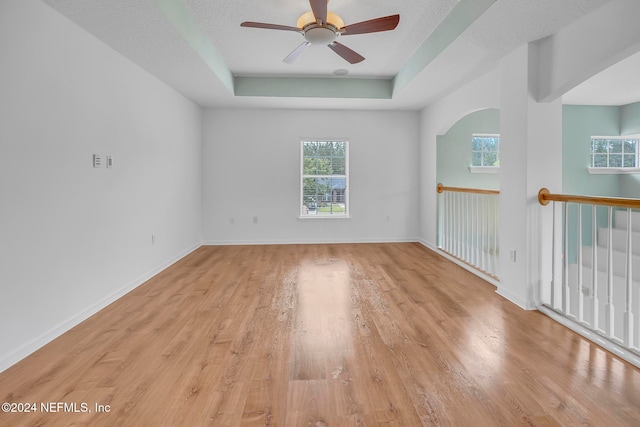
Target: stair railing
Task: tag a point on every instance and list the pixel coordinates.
(468, 226)
(597, 285)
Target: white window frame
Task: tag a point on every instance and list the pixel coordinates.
(614, 170)
(333, 216)
(484, 169)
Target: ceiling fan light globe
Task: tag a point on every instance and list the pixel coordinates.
(320, 35)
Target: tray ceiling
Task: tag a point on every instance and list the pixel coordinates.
(199, 48)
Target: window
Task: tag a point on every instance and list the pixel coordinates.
(614, 152)
(485, 150)
(324, 179)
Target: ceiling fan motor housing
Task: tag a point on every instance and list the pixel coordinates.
(321, 35)
(321, 27)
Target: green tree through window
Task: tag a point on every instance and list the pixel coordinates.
(485, 150)
(612, 152)
(324, 178)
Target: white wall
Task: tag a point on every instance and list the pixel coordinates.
(74, 238)
(251, 165)
(530, 158)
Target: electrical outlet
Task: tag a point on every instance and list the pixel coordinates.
(255, 219)
(153, 239)
(512, 255)
(586, 291)
(109, 161)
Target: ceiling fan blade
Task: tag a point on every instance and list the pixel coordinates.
(319, 8)
(349, 55)
(269, 26)
(371, 26)
(296, 53)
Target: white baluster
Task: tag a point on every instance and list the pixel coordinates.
(565, 271)
(494, 265)
(552, 294)
(457, 226)
(440, 201)
(449, 221)
(470, 229)
(483, 232)
(465, 226)
(594, 269)
(476, 226)
(609, 309)
(446, 219)
(579, 264)
(628, 314)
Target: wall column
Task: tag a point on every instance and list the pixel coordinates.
(530, 158)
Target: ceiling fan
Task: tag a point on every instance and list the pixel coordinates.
(322, 27)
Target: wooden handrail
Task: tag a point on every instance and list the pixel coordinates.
(544, 197)
(442, 188)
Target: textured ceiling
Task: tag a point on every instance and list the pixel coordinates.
(617, 85)
(142, 32)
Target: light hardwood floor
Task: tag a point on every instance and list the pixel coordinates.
(321, 335)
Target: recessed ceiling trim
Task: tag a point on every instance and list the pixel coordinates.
(180, 17)
(452, 26)
(313, 87)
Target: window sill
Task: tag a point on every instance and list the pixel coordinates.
(612, 171)
(484, 169)
(321, 217)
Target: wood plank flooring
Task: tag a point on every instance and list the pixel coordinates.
(320, 335)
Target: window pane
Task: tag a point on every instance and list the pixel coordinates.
(333, 197)
(490, 144)
(339, 149)
(310, 149)
(629, 160)
(324, 166)
(600, 160)
(331, 209)
(615, 160)
(338, 166)
(490, 159)
(476, 143)
(324, 149)
(599, 146)
(615, 146)
(630, 145)
(310, 190)
(310, 167)
(476, 158)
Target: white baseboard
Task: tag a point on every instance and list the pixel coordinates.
(456, 261)
(619, 351)
(515, 299)
(495, 282)
(303, 241)
(14, 357)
